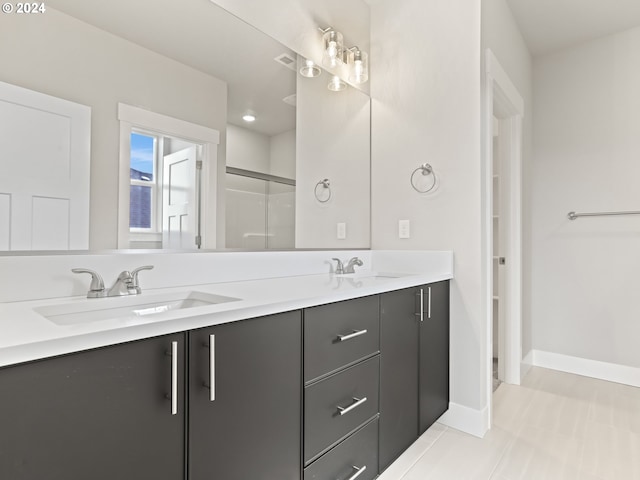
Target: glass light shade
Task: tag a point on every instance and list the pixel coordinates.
(310, 69)
(336, 84)
(333, 48)
(358, 66)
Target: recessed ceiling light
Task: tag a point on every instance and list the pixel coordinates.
(249, 117)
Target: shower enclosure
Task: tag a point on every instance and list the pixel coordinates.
(260, 210)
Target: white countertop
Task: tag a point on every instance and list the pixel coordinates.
(26, 335)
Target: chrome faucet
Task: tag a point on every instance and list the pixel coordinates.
(352, 263)
(125, 284)
(134, 274)
(96, 288)
(122, 286)
(350, 268)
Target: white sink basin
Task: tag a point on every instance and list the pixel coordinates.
(127, 307)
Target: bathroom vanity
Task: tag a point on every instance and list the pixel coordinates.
(332, 378)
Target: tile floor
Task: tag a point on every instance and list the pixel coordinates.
(554, 426)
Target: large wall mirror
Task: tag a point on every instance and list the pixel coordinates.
(203, 133)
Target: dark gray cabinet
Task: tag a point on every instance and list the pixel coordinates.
(226, 402)
(338, 405)
(340, 334)
(250, 427)
(341, 394)
(122, 411)
(101, 414)
(414, 365)
(434, 354)
(399, 341)
(356, 457)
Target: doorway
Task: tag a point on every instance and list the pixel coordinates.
(180, 180)
(504, 111)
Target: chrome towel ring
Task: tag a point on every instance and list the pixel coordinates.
(326, 187)
(425, 169)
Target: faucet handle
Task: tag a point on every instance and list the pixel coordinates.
(339, 266)
(352, 263)
(134, 274)
(96, 288)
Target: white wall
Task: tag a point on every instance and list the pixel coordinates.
(283, 154)
(339, 150)
(501, 34)
(248, 149)
(585, 279)
(425, 86)
(61, 56)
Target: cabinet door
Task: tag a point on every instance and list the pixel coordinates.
(102, 414)
(398, 374)
(250, 428)
(434, 354)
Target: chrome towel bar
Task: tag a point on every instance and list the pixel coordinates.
(574, 215)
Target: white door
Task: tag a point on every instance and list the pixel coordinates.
(179, 200)
(44, 171)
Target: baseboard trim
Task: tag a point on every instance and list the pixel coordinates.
(465, 419)
(526, 364)
(611, 372)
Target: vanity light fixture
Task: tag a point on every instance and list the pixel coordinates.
(333, 47)
(336, 84)
(358, 66)
(335, 54)
(309, 69)
(249, 117)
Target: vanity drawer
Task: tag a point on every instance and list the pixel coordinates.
(339, 404)
(340, 334)
(359, 452)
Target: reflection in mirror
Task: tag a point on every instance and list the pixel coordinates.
(211, 74)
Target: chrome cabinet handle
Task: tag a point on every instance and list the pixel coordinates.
(356, 404)
(421, 312)
(212, 367)
(174, 378)
(356, 333)
(359, 471)
(429, 303)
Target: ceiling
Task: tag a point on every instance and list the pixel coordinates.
(204, 36)
(549, 25)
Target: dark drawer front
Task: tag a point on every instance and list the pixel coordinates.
(324, 352)
(325, 423)
(359, 452)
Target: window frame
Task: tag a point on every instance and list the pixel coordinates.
(155, 230)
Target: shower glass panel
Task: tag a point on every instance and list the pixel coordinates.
(260, 213)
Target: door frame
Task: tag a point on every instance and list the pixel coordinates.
(503, 100)
(131, 117)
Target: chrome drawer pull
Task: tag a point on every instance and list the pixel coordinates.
(421, 313)
(212, 367)
(358, 472)
(358, 402)
(174, 378)
(349, 336)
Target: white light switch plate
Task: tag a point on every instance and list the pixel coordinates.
(341, 231)
(404, 229)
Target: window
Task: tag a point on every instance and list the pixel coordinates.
(144, 183)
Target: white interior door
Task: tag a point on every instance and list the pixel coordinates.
(179, 200)
(45, 166)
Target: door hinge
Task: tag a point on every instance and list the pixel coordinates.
(502, 261)
(199, 164)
